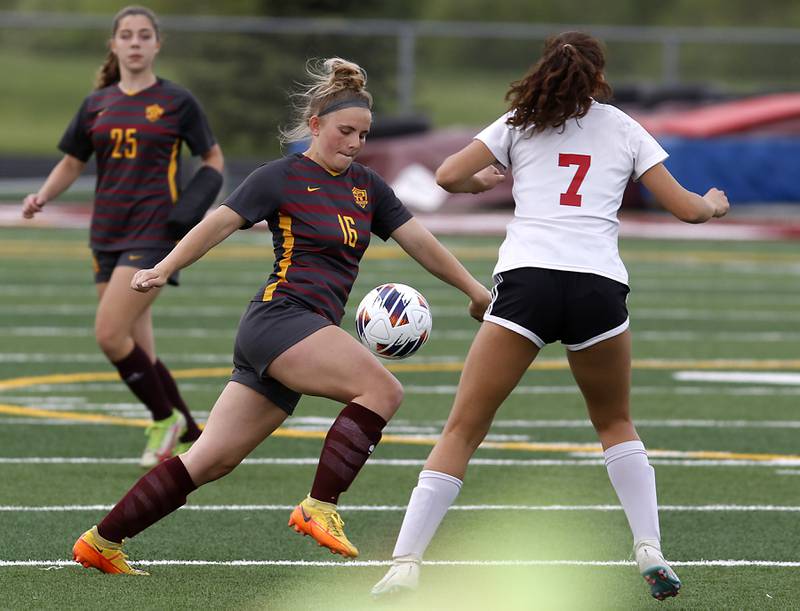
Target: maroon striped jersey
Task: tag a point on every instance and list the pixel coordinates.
(137, 139)
(321, 225)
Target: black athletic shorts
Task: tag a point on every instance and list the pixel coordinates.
(546, 305)
(104, 262)
(266, 330)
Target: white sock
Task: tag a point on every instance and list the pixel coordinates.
(430, 500)
(634, 481)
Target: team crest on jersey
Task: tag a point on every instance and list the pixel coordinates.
(153, 112)
(360, 197)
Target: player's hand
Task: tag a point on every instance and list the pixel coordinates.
(32, 204)
(488, 178)
(479, 303)
(146, 279)
(719, 201)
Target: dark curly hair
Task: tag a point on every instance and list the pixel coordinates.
(561, 84)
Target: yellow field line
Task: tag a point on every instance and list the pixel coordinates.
(73, 378)
(520, 446)
(450, 366)
(69, 249)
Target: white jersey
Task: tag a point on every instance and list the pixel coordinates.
(568, 187)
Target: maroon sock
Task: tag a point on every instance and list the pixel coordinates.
(174, 396)
(158, 493)
(348, 444)
(138, 373)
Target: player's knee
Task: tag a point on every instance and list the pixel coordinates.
(109, 338)
(391, 393)
(466, 433)
(218, 470)
(604, 423)
(395, 393)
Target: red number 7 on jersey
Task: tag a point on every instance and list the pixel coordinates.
(572, 197)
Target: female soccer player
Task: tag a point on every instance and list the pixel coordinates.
(321, 207)
(558, 277)
(135, 122)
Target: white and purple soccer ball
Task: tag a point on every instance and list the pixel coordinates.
(393, 321)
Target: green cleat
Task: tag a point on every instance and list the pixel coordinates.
(162, 437)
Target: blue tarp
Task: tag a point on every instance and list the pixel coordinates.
(750, 169)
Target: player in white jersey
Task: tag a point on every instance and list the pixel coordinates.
(559, 276)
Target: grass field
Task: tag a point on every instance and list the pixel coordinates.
(716, 385)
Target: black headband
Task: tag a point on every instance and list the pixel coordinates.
(348, 103)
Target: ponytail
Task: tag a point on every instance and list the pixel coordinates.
(332, 84)
(108, 73)
(561, 85)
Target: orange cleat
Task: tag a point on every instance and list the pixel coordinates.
(93, 551)
(321, 521)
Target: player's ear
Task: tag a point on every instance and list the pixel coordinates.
(314, 125)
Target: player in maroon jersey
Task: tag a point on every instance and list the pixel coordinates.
(321, 207)
(135, 124)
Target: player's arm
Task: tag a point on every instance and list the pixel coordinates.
(199, 194)
(685, 205)
(470, 170)
(208, 233)
(61, 177)
(213, 158)
(417, 241)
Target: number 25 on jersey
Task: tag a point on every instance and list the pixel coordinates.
(572, 197)
(124, 143)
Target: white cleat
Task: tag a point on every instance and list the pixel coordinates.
(402, 576)
(663, 581)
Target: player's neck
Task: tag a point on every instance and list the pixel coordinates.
(132, 83)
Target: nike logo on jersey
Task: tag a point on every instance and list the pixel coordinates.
(134, 257)
(312, 189)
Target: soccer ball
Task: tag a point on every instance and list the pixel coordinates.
(393, 321)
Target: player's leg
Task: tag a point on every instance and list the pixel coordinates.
(496, 361)
(144, 337)
(118, 311)
(603, 373)
(330, 363)
(240, 420)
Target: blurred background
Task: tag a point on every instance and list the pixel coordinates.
(438, 69)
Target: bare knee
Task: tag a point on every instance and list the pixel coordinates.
(218, 471)
(203, 472)
(113, 341)
(467, 434)
(614, 430)
(394, 393)
(383, 395)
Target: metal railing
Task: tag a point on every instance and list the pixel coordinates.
(408, 33)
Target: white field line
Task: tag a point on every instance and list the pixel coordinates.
(88, 310)
(316, 423)
(590, 461)
(352, 564)
(450, 335)
(444, 389)
(739, 377)
(323, 423)
(60, 357)
(397, 508)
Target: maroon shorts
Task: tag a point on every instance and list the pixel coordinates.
(266, 330)
(104, 262)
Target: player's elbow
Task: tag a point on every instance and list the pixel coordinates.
(447, 176)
